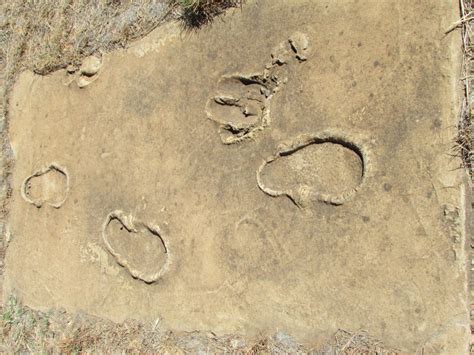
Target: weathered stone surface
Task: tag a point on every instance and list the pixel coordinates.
(286, 169)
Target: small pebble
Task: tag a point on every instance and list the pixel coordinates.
(90, 66)
(71, 69)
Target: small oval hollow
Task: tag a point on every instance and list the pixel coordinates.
(49, 185)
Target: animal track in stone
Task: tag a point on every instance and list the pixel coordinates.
(137, 246)
(328, 167)
(242, 105)
(49, 185)
(243, 108)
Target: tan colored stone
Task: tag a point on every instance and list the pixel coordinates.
(71, 69)
(376, 238)
(83, 81)
(90, 65)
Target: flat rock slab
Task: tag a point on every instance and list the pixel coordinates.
(285, 169)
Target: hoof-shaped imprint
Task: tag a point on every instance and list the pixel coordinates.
(242, 105)
(138, 247)
(328, 167)
(49, 185)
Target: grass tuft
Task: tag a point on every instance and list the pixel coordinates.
(196, 13)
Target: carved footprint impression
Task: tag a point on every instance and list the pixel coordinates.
(328, 167)
(49, 185)
(138, 247)
(242, 105)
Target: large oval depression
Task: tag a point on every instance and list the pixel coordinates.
(324, 167)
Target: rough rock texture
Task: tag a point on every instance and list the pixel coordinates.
(286, 169)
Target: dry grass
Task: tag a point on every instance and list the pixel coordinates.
(464, 143)
(465, 140)
(360, 342)
(196, 13)
(49, 34)
(26, 330)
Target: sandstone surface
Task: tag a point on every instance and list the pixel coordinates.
(285, 169)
